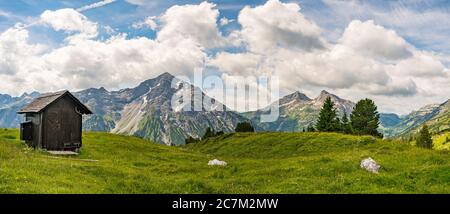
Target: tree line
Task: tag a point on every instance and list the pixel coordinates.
(240, 127)
(364, 119)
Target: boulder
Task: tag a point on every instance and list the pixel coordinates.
(216, 162)
(370, 165)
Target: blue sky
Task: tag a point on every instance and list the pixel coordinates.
(121, 15)
(395, 52)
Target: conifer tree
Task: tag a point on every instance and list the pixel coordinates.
(244, 127)
(208, 133)
(311, 128)
(327, 117)
(365, 118)
(345, 124)
(424, 139)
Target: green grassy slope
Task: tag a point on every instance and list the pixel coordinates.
(125, 165)
(257, 163)
(442, 141)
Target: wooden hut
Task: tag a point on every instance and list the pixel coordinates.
(53, 122)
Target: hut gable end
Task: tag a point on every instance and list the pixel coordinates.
(42, 102)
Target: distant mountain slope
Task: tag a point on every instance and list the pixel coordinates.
(436, 116)
(146, 111)
(389, 119)
(441, 121)
(9, 107)
(297, 111)
(143, 111)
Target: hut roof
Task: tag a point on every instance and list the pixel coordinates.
(45, 100)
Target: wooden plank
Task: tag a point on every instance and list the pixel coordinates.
(73, 159)
(62, 153)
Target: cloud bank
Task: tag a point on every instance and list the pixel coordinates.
(367, 60)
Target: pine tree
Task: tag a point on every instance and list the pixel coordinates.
(311, 128)
(424, 138)
(191, 139)
(365, 118)
(346, 127)
(244, 127)
(327, 117)
(208, 133)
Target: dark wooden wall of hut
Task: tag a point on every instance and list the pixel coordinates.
(62, 125)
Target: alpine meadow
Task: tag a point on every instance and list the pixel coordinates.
(216, 97)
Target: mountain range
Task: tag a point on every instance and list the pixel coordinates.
(297, 111)
(436, 116)
(146, 111)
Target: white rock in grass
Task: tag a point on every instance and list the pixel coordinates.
(216, 162)
(370, 165)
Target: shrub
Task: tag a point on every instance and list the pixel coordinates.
(190, 140)
(244, 127)
(211, 133)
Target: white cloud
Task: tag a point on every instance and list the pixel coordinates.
(277, 24)
(276, 38)
(374, 40)
(85, 62)
(14, 49)
(138, 2)
(421, 64)
(395, 88)
(422, 22)
(367, 60)
(237, 63)
(149, 22)
(70, 21)
(122, 62)
(193, 22)
(224, 21)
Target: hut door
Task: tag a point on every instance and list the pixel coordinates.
(53, 130)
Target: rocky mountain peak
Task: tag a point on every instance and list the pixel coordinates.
(324, 95)
(29, 96)
(5, 96)
(102, 89)
(294, 97)
(324, 92)
(165, 75)
(35, 94)
(299, 96)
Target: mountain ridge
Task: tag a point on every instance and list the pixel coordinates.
(146, 111)
(298, 111)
